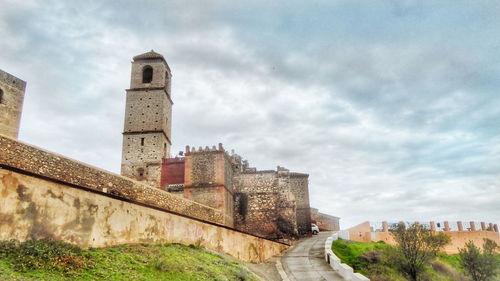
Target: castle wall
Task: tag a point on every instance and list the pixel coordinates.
(172, 172)
(47, 195)
(11, 103)
(263, 205)
(363, 233)
(38, 162)
(208, 180)
(325, 222)
(37, 208)
(299, 188)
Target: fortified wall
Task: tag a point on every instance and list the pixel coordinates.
(47, 195)
(325, 222)
(366, 232)
(270, 204)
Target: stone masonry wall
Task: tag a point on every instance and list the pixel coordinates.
(208, 179)
(325, 222)
(11, 103)
(299, 188)
(262, 206)
(29, 159)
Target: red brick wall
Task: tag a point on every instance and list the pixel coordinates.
(172, 171)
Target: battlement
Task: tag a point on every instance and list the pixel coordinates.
(458, 232)
(192, 150)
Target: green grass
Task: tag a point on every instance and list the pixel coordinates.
(374, 261)
(348, 252)
(129, 262)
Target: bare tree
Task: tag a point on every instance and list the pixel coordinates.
(480, 266)
(418, 246)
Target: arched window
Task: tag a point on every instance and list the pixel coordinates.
(1, 95)
(147, 74)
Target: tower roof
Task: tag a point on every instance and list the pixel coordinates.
(149, 56)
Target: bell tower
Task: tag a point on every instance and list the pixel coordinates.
(148, 119)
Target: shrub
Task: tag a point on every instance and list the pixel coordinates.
(480, 266)
(45, 254)
(418, 246)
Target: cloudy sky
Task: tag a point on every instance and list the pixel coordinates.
(392, 107)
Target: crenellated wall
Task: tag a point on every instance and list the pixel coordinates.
(366, 232)
(208, 179)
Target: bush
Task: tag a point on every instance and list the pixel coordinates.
(418, 246)
(45, 254)
(480, 266)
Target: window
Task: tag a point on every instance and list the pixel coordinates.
(1, 95)
(147, 74)
(140, 173)
(142, 141)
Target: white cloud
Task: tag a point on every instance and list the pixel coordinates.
(399, 129)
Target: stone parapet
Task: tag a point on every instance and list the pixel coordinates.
(26, 159)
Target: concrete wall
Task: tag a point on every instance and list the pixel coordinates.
(46, 195)
(11, 103)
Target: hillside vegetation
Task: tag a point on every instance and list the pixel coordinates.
(53, 260)
(374, 261)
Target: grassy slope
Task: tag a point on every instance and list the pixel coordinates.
(139, 262)
(349, 252)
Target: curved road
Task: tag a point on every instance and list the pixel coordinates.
(306, 260)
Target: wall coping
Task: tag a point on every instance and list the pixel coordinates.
(343, 269)
(33, 161)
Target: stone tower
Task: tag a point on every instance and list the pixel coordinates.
(11, 103)
(148, 115)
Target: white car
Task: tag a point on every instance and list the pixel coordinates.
(314, 228)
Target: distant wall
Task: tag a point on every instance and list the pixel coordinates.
(47, 195)
(325, 222)
(364, 233)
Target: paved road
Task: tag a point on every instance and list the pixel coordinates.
(305, 260)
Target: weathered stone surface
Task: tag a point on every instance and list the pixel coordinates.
(208, 180)
(265, 206)
(37, 208)
(148, 120)
(17, 155)
(325, 222)
(11, 103)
